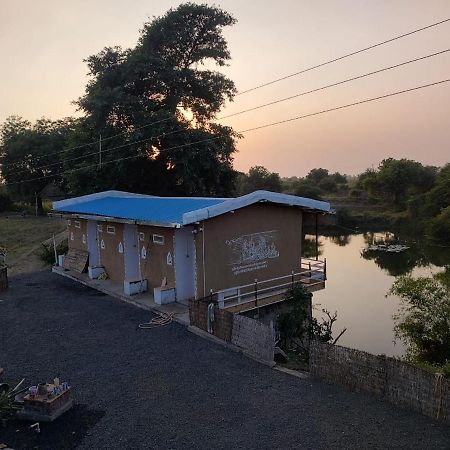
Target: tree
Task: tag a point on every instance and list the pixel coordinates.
(258, 178)
(30, 155)
(304, 188)
(423, 322)
(159, 101)
(317, 175)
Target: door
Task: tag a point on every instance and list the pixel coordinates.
(184, 264)
(131, 252)
(92, 243)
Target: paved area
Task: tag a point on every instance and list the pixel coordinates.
(168, 388)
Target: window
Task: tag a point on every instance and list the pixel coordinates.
(77, 224)
(141, 236)
(158, 239)
(110, 229)
(100, 228)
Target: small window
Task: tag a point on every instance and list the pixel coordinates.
(158, 239)
(110, 229)
(100, 228)
(141, 236)
(77, 224)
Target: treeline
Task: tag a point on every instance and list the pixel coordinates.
(403, 189)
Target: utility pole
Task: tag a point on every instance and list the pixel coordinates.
(100, 151)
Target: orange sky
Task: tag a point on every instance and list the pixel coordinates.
(43, 44)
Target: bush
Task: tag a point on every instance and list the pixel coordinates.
(439, 227)
(48, 253)
(6, 203)
(423, 321)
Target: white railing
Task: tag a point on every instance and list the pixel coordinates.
(312, 272)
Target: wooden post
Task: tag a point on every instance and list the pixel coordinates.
(317, 239)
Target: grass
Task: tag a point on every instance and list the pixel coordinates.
(19, 235)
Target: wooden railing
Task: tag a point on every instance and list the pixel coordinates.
(312, 273)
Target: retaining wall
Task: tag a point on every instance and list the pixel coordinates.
(398, 382)
(248, 334)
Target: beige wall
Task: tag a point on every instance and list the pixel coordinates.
(110, 257)
(76, 234)
(155, 267)
(273, 232)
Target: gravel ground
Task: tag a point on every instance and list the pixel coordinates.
(167, 388)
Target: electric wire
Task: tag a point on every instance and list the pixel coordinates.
(97, 141)
(304, 116)
(356, 52)
(338, 83)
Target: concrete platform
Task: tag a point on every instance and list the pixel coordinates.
(114, 289)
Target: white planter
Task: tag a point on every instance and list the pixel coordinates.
(163, 295)
(95, 271)
(134, 287)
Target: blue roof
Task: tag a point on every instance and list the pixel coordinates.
(163, 210)
(175, 211)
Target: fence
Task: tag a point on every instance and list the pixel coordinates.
(398, 382)
(250, 335)
(312, 273)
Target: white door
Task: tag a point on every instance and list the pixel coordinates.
(92, 243)
(184, 264)
(131, 252)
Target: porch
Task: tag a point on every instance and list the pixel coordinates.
(114, 289)
(312, 274)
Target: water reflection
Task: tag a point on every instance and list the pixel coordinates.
(359, 280)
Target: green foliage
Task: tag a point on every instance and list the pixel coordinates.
(48, 252)
(258, 178)
(304, 188)
(439, 226)
(164, 80)
(297, 326)
(6, 203)
(423, 322)
(32, 152)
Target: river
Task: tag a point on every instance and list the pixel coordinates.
(358, 281)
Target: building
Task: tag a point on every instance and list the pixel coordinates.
(243, 251)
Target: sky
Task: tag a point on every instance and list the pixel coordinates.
(43, 44)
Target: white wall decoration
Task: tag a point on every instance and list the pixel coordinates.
(71, 235)
(251, 252)
(84, 239)
(102, 244)
(144, 253)
(120, 247)
(169, 259)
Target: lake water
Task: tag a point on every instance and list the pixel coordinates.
(358, 281)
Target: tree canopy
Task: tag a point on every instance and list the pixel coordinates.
(160, 100)
(258, 178)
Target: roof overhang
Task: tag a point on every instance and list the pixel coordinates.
(306, 204)
(70, 215)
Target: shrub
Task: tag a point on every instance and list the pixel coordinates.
(439, 227)
(423, 321)
(6, 203)
(48, 252)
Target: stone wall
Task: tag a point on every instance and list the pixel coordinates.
(253, 336)
(249, 334)
(398, 382)
(223, 320)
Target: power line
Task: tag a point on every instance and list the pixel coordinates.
(342, 57)
(347, 80)
(337, 108)
(261, 85)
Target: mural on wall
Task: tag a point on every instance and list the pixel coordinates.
(251, 252)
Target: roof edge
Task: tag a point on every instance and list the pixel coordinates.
(252, 198)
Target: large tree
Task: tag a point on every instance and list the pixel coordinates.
(155, 106)
(30, 155)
